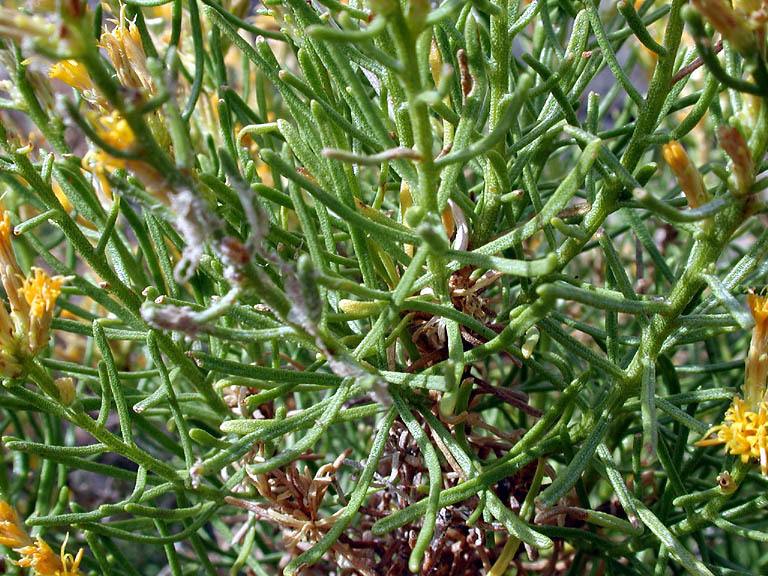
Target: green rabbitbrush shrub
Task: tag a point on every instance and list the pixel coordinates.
(456, 288)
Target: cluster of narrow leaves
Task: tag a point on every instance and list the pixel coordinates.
(378, 287)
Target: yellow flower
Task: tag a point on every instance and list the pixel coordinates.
(687, 175)
(113, 129)
(756, 14)
(11, 274)
(44, 561)
(62, 197)
(745, 428)
(40, 291)
(36, 554)
(12, 533)
(24, 329)
(744, 433)
(74, 74)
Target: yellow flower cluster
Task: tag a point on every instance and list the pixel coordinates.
(744, 433)
(126, 52)
(107, 124)
(745, 428)
(24, 329)
(35, 554)
(115, 131)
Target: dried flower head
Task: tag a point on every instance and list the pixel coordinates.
(293, 502)
(123, 44)
(687, 175)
